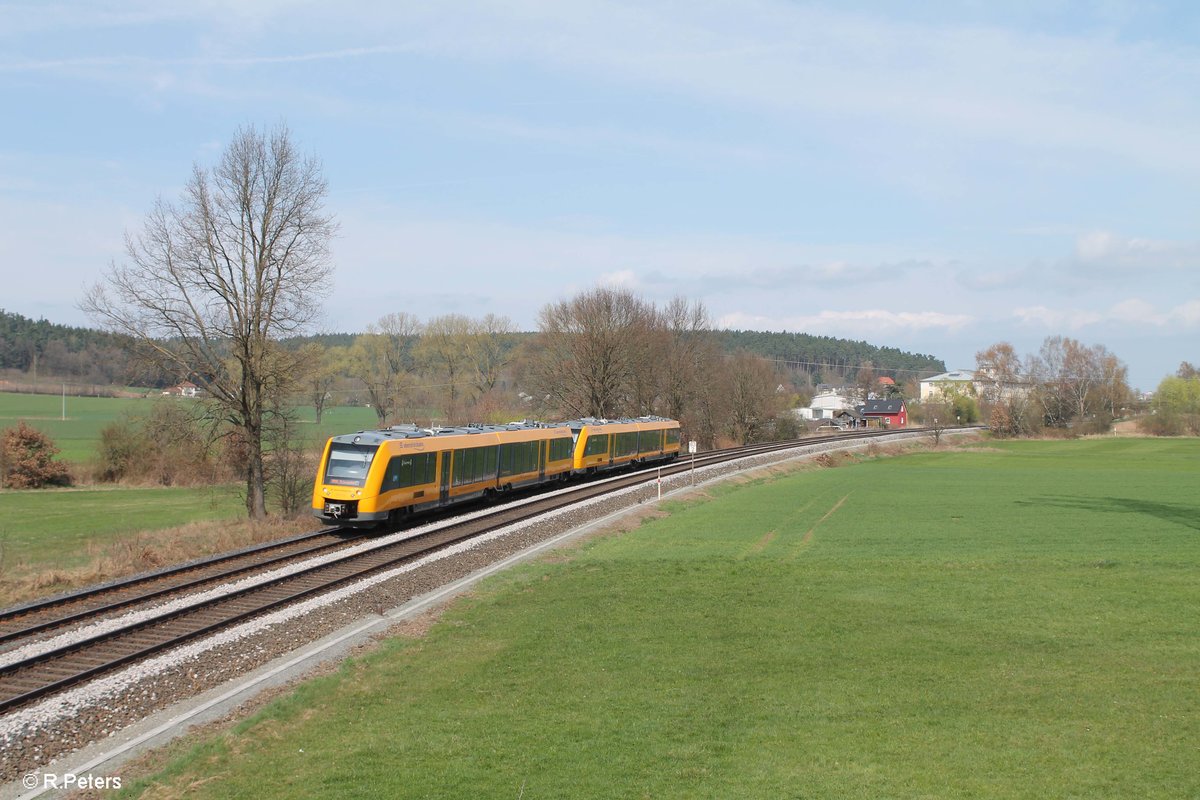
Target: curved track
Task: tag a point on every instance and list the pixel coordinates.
(49, 668)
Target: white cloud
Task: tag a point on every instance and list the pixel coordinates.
(1107, 250)
(1129, 314)
(621, 279)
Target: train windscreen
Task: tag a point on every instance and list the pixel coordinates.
(348, 464)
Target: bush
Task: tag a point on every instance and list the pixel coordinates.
(28, 460)
(1008, 419)
(168, 446)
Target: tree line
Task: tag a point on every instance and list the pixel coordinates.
(1065, 385)
(40, 349)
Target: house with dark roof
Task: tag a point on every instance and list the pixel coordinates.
(886, 413)
(849, 418)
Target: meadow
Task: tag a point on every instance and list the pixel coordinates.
(75, 424)
(1013, 620)
(43, 529)
(54, 539)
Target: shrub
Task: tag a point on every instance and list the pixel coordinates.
(28, 460)
(169, 446)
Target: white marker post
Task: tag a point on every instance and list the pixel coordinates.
(692, 450)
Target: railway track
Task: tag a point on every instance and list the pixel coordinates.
(21, 622)
(38, 668)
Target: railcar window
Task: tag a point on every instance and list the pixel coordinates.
(410, 470)
(474, 464)
(348, 464)
(596, 445)
(518, 458)
(626, 444)
(560, 449)
(672, 436)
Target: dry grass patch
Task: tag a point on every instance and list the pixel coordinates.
(142, 552)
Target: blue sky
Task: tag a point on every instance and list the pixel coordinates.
(936, 179)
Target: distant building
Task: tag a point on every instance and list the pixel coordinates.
(959, 380)
(826, 405)
(185, 389)
(981, 383)
(886, 413)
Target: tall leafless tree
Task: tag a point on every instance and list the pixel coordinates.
(491, 350)
(382, 358)
(591, 350)
(690, 356)
(1006, 390)
(444, 352)
(750, 385)
(215, 280)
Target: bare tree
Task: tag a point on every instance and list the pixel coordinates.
(382, 359)
(1006, 390)
(689, 357)
(212, 283)
(322, 367)
(865, 380)
(1114, 393)
(444, 350)
(491, 345)
(751, 382)
(590, 350)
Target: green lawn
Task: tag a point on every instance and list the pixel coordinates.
(1017, 621)
(57, 528)
(78, 434)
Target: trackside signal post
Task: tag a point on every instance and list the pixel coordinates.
(692, 450)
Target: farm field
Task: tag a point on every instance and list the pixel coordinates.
(1010, 620)
(78, 435)
(43, 529)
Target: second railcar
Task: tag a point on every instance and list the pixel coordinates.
(608, 444)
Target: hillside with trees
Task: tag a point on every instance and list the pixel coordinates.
(827, 359)
(32, 349)
(89, 356)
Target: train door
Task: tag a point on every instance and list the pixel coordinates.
(543, 450)
(444, 483)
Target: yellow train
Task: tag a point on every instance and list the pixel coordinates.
(378, 477)
(606, 444)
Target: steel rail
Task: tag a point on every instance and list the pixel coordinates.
(171, 586)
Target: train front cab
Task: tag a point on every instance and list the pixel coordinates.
(373, 477)
(346, 489)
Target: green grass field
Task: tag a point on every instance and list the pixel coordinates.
(62, 528)
(78, 434)
(1014, 621)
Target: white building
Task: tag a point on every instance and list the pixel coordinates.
(825, 405)
(959, 380)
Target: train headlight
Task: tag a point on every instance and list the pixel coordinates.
(326, 490)
(358, 493)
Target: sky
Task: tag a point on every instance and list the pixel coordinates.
(937, 178)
